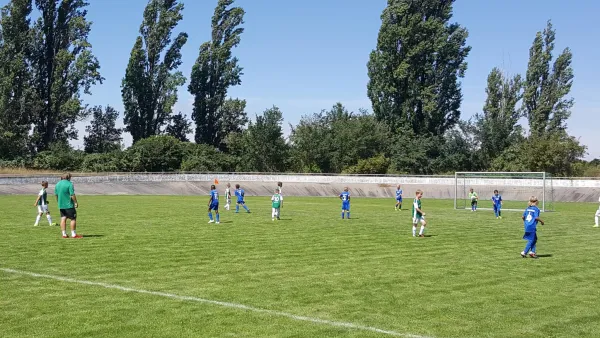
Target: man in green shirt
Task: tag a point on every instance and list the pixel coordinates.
(474, 198)
(67, 202)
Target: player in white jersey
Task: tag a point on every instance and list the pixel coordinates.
(228, 196)
(41, 202)
(597, 215)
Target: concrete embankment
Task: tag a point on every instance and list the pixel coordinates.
(560, 190)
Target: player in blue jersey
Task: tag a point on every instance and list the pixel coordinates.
(531, 217)
(213, 204)
(398, 198)
(345, 197)
(497, 202)
(239, 193)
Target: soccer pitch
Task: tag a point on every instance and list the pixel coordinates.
(151, 266)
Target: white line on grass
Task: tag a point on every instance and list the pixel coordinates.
(219, 303)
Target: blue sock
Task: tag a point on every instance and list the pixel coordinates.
(245, 207)
(210, 215)
(342, 215)
(348, 215)
(237, 208)
(217, 217)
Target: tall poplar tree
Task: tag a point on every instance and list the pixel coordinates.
(545, 100)
(214, 72)
(17, 98)
(63, 67)
(149, 88)
(414, 71)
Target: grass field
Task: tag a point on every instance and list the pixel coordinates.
(309, 275)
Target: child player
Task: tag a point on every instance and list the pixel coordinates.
(228, 196)
(497, 202)
(279, 185)
(41, 202)
(474, 198)
(239, 192)
(213, 204)
(276, 204)
(418, 215)
(345, 197)
(398, 198)
(531, 217)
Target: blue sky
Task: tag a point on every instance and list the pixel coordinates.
(304, 56)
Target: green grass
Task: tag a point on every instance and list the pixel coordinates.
(466, 280)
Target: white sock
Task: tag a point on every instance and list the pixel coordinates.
(64, 233)
(596, 220)
(73, 234)
(37, 220)
(414, 230)
(49, 219)
(422, 229)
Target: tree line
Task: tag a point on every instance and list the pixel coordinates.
(414, 86)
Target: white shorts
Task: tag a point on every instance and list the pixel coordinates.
(43, 208)
(418, 219)
(598, 213)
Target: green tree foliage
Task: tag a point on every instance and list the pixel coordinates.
(415, 67)
(149, 88)
(17, 98)
(545, 103)
(233, 119)
(214, 72)
(262, 146)
(104, 162)
(334, 140)
(63, 67)
(373, 165)
(59, 157)
(497, 128)
(103, 135)
(179, 127)
(205, 158)
(159, 153)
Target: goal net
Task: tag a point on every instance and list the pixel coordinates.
(515, 188)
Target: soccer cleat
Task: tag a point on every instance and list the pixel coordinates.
(211, 221)
(217, 222)
(596, 226)
(65, 236)
(533, 255)
(523, 254)
(421, 235)
(35, 224)
(77, 236)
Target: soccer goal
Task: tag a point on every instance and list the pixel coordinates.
(515, 188)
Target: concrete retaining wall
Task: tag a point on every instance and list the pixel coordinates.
(564, 190)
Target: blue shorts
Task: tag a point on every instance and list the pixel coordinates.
(497, 207)
(530, 236)
(241, 202)
(214, 206)
(398, 199)
(346, 206)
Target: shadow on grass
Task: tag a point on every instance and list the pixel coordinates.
(427, 236)
(545, 256)
(92, 236)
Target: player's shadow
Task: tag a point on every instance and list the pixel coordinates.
(92, 236)
(284, 219)
(427, 236)
(226, 222)
(545, 256)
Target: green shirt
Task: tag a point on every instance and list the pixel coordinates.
(63, 191)
(276, 201)
(43, 200)
(416, 204)
(473, 196)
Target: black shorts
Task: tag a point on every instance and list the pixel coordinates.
(473, 203)
(68, 213)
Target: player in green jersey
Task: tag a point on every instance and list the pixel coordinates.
(474, 198)
(41, 202)
(418, 216)
(276, 204)
(67, 203)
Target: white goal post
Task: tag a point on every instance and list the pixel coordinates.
(515, 188)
